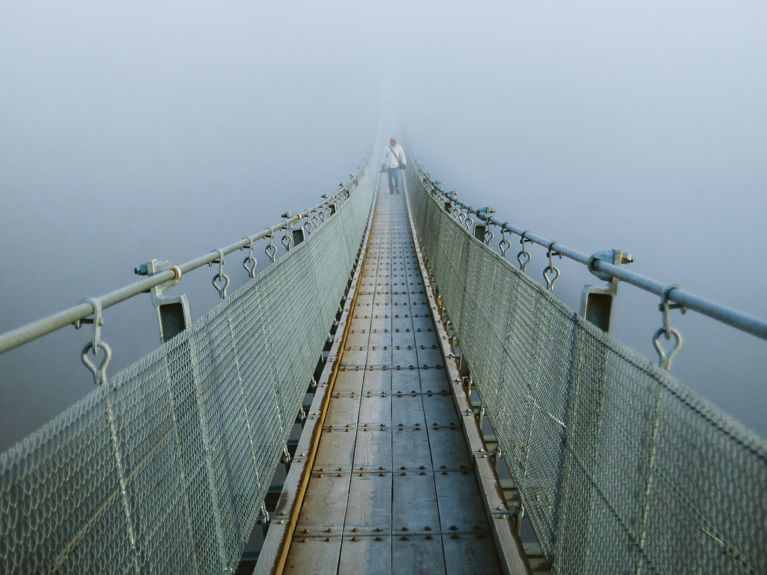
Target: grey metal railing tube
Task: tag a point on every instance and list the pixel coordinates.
(621, 468)
(165, 466)
(714, 310)
(36, 329)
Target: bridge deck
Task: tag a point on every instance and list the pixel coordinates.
(392, 489)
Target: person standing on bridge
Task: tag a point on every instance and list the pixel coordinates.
(394, 165)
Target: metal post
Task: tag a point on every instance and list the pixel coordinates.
(172, 311)
(597, 301)
(479, 231)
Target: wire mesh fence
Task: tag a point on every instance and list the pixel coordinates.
(621, 468)
(164, 468)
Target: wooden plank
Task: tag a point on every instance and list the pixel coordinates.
(369, 507)
(380, 338)
(434, 380)
(429, 356)
(460, 505)
(355, 356)
(470, 554)
(422, 322)
(407, 410)
(342, 410)
(379, 353)
(375, 410)
(414, 503)
(403, 339)
(377, 382)
(336, 450)
(417, 554)
(405, 357)
(324, 506)
(448, 448)
(405, 381)
(440, 409)
(321, 553)
(425, 336)
(402, 323)
(410, 449)
(370, 555)
(358, 339)
(373, 450)
(349, 382)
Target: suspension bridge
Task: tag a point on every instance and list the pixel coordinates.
(389, 392)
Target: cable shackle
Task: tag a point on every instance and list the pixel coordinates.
(250, 262)
(220, 281)
(97, 368)
(523, 257)
(665, 358)
(551, 272)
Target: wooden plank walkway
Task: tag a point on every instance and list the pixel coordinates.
(392, 489)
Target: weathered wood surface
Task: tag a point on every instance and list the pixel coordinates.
(392, 489)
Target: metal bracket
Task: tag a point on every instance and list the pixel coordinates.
(510, 511)
(597, 301)
(172, 311)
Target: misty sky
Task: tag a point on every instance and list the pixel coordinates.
(133, 130)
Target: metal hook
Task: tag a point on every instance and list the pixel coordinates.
(468, 221)
(271, 250)
(488, 236)
(287, 240)
(523, 257)
(220, 280)
(666, 357)
(250, 262)
(99, 371)
(551, 272)
(504, 244)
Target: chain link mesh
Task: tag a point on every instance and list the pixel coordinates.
(621, 468)
(163, 470)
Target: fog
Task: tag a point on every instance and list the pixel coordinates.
(139, 130)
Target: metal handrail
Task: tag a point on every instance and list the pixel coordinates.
(688, 300)
(43, 326)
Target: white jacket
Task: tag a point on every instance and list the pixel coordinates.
(395, 157)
